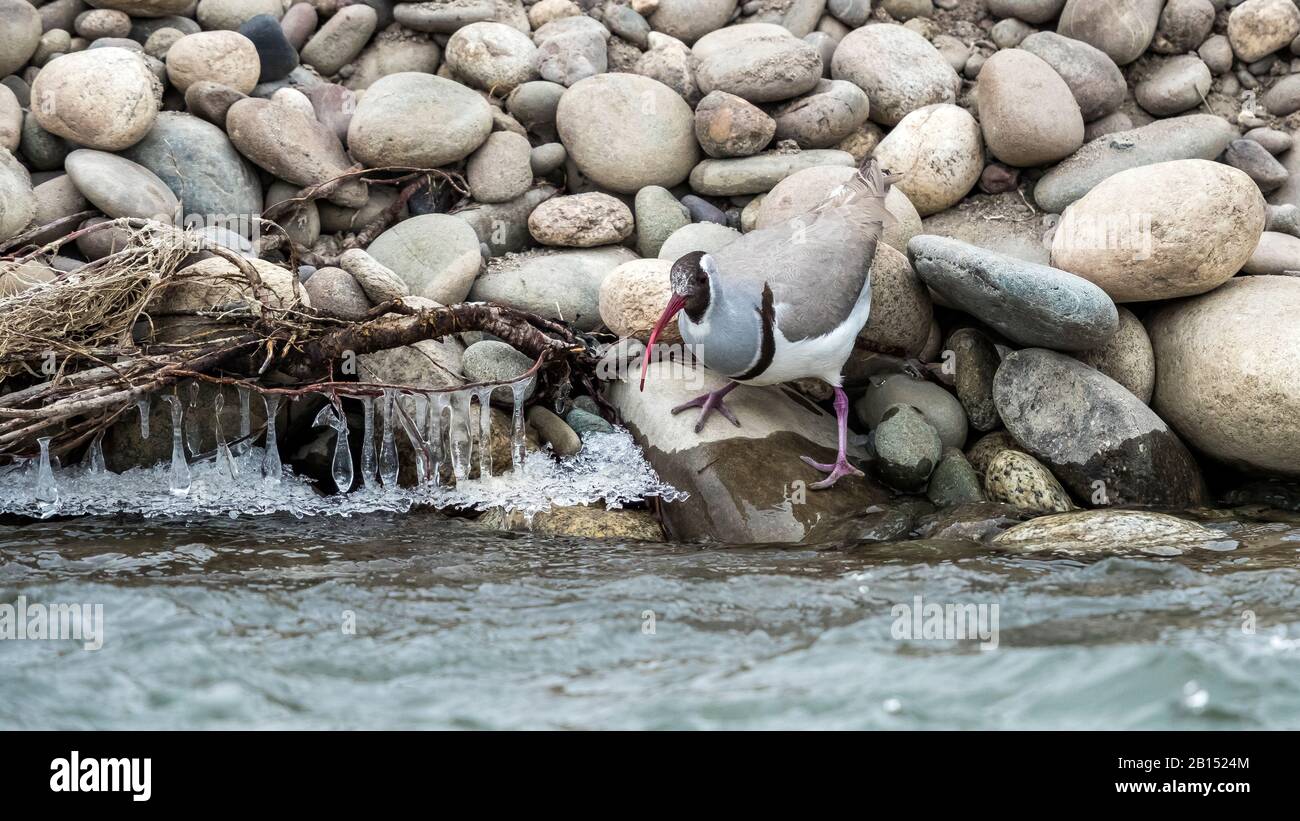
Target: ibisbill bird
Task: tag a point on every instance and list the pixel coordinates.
(784, 302)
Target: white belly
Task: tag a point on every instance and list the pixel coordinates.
(822, 357)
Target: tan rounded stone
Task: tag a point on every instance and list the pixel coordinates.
(225, 57)
(104, 98)
(633, 296)
(940, 153)
(1027, 114)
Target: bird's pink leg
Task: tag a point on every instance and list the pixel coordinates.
(841, 467)
(709, 403)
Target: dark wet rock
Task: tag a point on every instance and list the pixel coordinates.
(975, 361)
(1102, 532)
(1097, 437)
(584, 422)
(124, 448)
(746, 484)
(1195, 136)
(954, 481)
(891, 524)
(702, 210)
(907, 448)
(1030, 304)
(277, 55)
(973, 521)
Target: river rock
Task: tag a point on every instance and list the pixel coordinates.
(211, 101)
(121, 188)
(1184, 25)
(500, 169)
(1103, 532)
(494, 361)
(20, 33)
(1276, 254)
(1093, 78)
(1018, 479)
(1099, 439)
(562, 285)
(492, 56)
(901, 311)
(445, 16)
(940, 152)
(581, 221)
(231, 14)
(870, 58)
(1273, 141)
(742, 482)
(215, 281)
(1161, 231)
(198, 163)
(572, 49)
(1257, 28)
(634, 295)
(1178, 84)
(658, 215)
(624, 132)
(1127, 357)
(276, 55)
(335, 292)
(225, 57)
(418, 120)
(954, 482)
(1259, 165)
(1222, 378)
(980, 455)
(759, 173)
(689, 20)
(699, 236)
(1195, 136)
(757, 61)
(341, 39)
(293, 145)
(436, 255)
(974, 361)
(1027, 114)
(579, 521)
(1030, 304)
(377, 281)
(804, 190)
(17, 202)
(730, 126)
(824, 116)
(11, 121)
(1122, 29)
(939, 407)
(56, 198)
(105, 98)
(503, 226)
(999, 222)
(907, 448)
(393, 50)
(1031, 11)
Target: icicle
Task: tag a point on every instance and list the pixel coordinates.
(438, 404)
(192, 433)
(388, 465)
(142, 405)
(341, 469)
(94, 460)
(271, 467)
(179, 480)
(224, 456)
(484, 396)
(245, 422)
(458, 436)
(47, 490)
(415, 435)
(368, 442)
(517, 445)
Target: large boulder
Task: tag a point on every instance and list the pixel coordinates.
(1223, 375)
(625, 131)
(746, 484)
(1161, 231)
(1105, 446)
(1029, 304)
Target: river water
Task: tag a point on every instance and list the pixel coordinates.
(418, 620)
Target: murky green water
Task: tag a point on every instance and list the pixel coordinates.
(241, 624)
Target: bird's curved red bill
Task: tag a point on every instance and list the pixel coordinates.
(675, 304)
